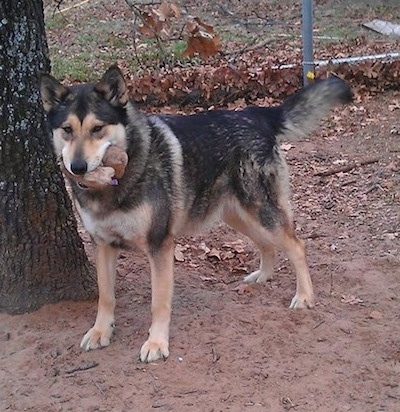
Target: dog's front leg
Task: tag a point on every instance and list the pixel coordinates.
(162, 279)
(100, 334)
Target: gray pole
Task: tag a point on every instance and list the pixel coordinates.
(308, 55)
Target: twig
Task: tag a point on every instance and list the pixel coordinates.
(215, 355)
(59, 2)
(82, 367)
(374, 187)
(349, 182)
(99, 388)
(139, 15)
(343, 169)
(318, 324)
(314, 235)
(247, 48)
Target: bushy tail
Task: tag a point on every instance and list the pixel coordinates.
(304, 110)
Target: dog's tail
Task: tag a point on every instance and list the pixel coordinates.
(303, 111)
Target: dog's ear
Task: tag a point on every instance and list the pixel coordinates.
(52, 91)
(113, 87)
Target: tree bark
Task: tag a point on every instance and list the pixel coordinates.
(42, 259)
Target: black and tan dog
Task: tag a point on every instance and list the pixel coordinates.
(183, 174)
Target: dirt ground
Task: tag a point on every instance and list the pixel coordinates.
(240, 348)
(235, 347)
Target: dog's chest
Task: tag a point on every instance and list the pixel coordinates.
(128, 228)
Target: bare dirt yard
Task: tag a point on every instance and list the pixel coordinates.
(236, 347)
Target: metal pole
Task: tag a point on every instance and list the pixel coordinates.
(308, 55)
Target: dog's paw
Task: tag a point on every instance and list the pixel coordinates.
(302, 302)
(96, 338)
(153, 350)
(257, 277)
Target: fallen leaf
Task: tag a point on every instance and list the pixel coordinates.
(208, 279)
(351, 300)
(202, 39)
(244, 288)
(151, 25)
(392, 166)
(286, 146)
(375, 315)
(339, 162)
(238, 246)
(227, 255)
(395, 105)
(179, 249)
(214, 253)
(168, 10)
(204, 248)
(390, 236)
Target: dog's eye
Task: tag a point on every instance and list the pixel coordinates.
(67, 129)
(97, 129)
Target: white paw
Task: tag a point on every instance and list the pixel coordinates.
(302, 301)
(154, 349)
(257, 277)
(97, 338)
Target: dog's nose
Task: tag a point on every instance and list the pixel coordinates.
(79, 167)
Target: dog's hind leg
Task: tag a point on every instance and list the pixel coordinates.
(267, 250)
(282, 236)
(285, 239)
(100, 334)
(267, 259)
(162, 278)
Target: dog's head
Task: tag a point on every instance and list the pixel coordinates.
(86, 119)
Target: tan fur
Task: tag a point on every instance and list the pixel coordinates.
(83, 139)
(100, 334)
(162, 281)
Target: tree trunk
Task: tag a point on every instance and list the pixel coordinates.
(42, 259)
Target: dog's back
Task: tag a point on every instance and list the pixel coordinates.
(231, 152)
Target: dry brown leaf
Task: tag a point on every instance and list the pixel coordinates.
(240, 268)
(208, 279)
(251, 78)
(351, 300)
(214, 253)
(375, 315)
(238, 246)
(227, 255)
(179, 256)
(244, 288)
(392, 166)
(394, 106)
(203, 46)
(202, 246)
(151, 24)
(286, 146)
(167, 11)
(157, 22)
(202, 39)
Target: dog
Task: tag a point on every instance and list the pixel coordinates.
(184, 173)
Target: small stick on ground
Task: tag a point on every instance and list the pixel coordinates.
(84, 366)
(318, 324)
(215, 355)
(347, 168)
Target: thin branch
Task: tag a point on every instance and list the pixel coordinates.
(347, 168)
(82, 367)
